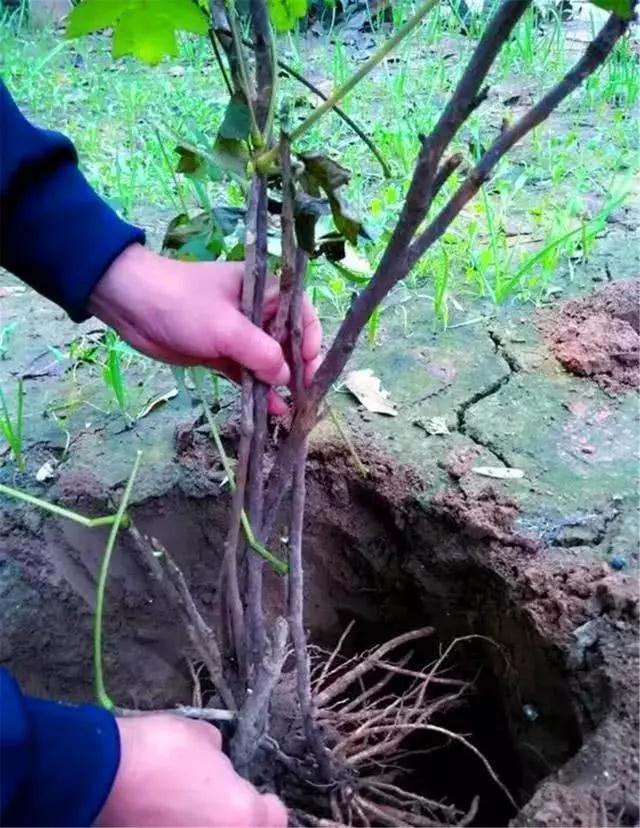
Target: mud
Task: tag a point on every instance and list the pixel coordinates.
(555, 706)
(599, 336)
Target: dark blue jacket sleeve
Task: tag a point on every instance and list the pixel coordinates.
(57, 761)
(56, 234)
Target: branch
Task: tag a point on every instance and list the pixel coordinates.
(338, 94)
(255, 482)
(595, 55)
(386, 170)
(400, 255)
(207, 714)
(296, 569)
(279, 329)
(239, 66)
(251, 717)
(216, 46)
(222, 32)
(264, 51)
(169, 577)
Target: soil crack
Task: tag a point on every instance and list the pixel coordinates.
(488, 391)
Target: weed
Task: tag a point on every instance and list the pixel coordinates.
(12, 429)
(112, 372)
(6, 333)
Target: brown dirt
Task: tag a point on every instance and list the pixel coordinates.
(599, 336)
(378, 552)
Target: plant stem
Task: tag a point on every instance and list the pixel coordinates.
(101, 692)
(279, 565)
(89, 523)
(386, 170)
(232, 15)
(255, 478)
(359, 131)
(401, 254)
(215, 45)
(264, 161)
(172, 172)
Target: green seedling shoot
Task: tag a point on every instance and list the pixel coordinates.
(101, 691)
(112, 373)
(276, 563)
(12, 429)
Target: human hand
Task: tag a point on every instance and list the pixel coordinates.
(189, 314)
(173, 773)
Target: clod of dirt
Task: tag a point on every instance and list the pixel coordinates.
(483, 516)
(599, 336)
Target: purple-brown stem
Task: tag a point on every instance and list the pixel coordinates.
(255, 483)
(401, 255)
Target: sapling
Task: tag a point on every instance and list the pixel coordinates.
(258, 147)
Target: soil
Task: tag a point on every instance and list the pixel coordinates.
(599, 336)
(554, 710)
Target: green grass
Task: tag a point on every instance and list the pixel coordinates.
(122, 117)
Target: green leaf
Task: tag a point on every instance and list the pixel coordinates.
(143, 28)
(93, 15)
(186, 15)
(232, 155)
(236, 124)
(324, 172)
(284, 13)
(147, 37)
(203, 236)
(623, 8)
(195, 165)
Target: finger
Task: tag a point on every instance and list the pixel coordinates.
(277, 816)
(277, 406)
(214, 735)
(312, 331)
(310, 369)
(254, 349)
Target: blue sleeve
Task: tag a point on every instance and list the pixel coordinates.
(56, 234)
(57, 761)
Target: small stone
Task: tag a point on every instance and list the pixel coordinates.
(617, 563)
(577, 535)
(530, 712)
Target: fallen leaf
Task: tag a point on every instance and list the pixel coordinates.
(434, 426)
(499, 472)
(154, 402)
(578, 408)
(367, 389)
(47, 471)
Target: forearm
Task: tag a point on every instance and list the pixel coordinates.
(56, 234)
(58, 761)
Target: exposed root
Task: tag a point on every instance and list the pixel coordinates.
(369, 735)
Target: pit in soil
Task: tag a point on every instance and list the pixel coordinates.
(374, 555)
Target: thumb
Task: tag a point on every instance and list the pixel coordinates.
(252, 348)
